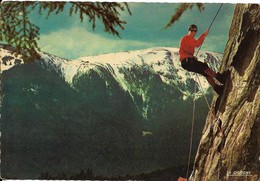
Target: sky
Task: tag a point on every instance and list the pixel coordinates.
(66, 36)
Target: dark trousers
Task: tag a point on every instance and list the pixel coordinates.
(193, 65)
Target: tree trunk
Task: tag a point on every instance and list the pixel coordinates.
(230, 145)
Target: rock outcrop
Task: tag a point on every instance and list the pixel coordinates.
(230, 145)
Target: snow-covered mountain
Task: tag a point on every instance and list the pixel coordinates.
(8, 60)
(162, 61)
(99, 112)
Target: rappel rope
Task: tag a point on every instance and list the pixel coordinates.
(211, 25)
(194, 102)
(192, 129)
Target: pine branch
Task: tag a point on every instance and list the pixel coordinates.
(180, 10)
(51, 7)
(200, 6)
(17, 30)
(107, 13)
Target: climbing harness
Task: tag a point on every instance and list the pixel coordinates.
(194, 104)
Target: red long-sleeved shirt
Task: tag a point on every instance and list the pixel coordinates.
(188, 45)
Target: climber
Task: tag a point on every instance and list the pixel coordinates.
(190, 62)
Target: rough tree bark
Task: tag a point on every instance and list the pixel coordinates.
(234, 153)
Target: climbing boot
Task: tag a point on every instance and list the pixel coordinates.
(222, 77)
(218, 89)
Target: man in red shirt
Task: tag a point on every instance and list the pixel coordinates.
(189, 62)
